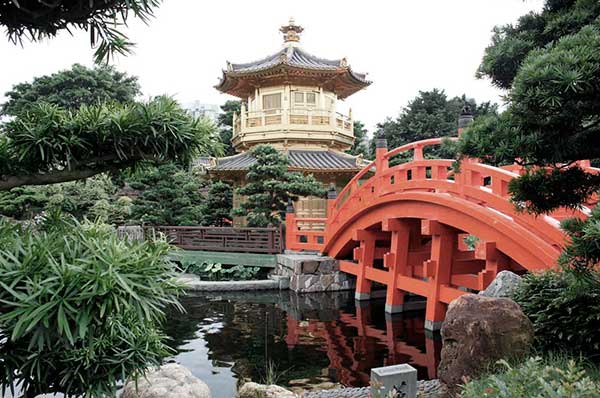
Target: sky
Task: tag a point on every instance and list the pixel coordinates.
(404, 46)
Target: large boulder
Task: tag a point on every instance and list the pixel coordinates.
(254, 390)
(168, 381)
(503, 285)
(477, 332)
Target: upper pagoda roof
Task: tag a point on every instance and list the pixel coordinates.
(292, 65)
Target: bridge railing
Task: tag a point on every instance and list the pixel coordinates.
(476, 182)
(299, 239)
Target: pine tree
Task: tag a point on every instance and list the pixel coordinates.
(270, 186)
(170, 196)
(218, 204)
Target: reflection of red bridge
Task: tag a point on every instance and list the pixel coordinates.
(353, 357)
(404, 227)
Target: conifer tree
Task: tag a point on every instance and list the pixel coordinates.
(270, 186)
(218, 204)
(170, 196)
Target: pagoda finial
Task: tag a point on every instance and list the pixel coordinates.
(291, 32)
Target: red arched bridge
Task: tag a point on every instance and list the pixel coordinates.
(405, 227)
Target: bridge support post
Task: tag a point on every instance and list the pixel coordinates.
(444, 241)
(365, 255)
(495, 261)
(396, 260)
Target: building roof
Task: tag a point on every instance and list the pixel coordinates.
(294, 57)
(308, 160)
(291, 64)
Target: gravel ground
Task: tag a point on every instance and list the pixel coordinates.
(426, 389)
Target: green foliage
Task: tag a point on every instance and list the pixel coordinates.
(170, 196)
(225, 122)
(564, 309)
(217, 204)
(39, 20)
(431, 114)
(23, 203)
(48, 144)
(360, 146)
(92, 198)
(534, 378)
(73, 88)
(511, 44)
(79, 308)
(217, 272)
(582, 255)
(270, 186)
(542, 190)
(550, 62)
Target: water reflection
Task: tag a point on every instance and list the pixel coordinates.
(227, 338)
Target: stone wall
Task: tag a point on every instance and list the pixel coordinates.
(312, 273)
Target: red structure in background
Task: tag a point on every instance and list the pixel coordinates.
(351, 358)
(404, 227)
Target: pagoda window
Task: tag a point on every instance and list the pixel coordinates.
(305, 98)
(271, 101)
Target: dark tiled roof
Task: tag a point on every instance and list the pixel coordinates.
(299, 159)
(296, 57)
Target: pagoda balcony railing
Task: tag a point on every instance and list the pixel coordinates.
(311, 121)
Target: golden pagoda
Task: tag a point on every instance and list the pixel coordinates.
(289, 101)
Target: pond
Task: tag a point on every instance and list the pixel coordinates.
(315, 338)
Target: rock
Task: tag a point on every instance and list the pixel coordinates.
(477, 332)
(255, 390)
(310, 267)
(168, 381)
(503, 285)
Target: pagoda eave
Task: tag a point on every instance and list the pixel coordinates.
(340, 80)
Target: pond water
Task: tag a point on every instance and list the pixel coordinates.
(225, 338)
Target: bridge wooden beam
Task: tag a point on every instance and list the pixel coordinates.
(365, 255)
(444, 244)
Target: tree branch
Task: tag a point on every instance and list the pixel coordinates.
(79, 172)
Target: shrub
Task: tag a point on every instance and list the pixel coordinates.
(534, 378)
(217, 272)
(564, 309)
(79, 308)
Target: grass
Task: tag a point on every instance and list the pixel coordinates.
(553, 375)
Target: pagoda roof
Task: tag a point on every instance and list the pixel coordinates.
(293, 65)
(301, 160)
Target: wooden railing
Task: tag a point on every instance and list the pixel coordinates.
(303, 239)
(479, 183)
(322, 119)
(225, 239)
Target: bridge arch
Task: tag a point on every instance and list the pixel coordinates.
(404, 227)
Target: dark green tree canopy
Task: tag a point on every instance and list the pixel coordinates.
(225, 122)
(49, 144)
(73, 88)
(37, 20)
(270, 186)
(360, 146)
(169, 195)
(218, 204)
(511, 44)
(431, 114)
(553, 114)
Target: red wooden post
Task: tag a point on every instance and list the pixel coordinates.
(381, 163)
(291, 230)
(364, 254)
(396, 261)
(444, 241)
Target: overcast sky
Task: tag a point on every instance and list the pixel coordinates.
(404, 46)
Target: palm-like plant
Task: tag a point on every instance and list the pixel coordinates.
(79, 308)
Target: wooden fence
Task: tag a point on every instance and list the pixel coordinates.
(224, 239)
